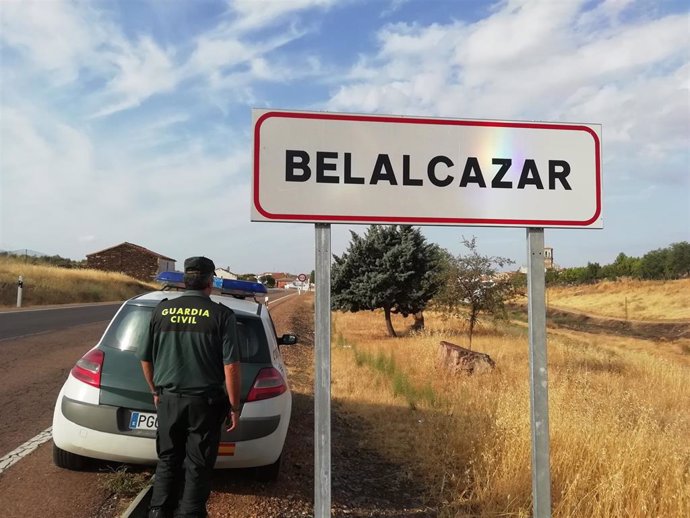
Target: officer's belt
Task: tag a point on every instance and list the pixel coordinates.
(211, 393)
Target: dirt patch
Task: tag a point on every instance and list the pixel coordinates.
(635, 328)
(579, 321)
(36, 487)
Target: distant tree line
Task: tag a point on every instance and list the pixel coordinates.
(672, 262)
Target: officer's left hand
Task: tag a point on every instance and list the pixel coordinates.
(234, 419)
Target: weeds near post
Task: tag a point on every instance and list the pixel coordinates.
(123, 483)
(340, 340)
(626, 308)
(400, 382)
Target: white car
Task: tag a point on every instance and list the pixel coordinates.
(105, 409)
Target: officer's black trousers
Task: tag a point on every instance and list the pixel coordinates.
(187, 447)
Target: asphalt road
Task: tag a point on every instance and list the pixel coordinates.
(19, 323)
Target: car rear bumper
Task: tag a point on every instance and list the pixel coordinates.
(114, 420)
(100, 431)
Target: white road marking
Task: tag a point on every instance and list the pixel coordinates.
(29, 446)
(274, 302)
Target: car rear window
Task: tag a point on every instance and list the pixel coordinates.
(129, 328)
(131, 325)
(252, 338)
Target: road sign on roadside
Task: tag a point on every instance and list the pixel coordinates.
(301, 277)
(345, 168)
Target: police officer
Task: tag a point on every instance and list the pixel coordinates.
(190, 355)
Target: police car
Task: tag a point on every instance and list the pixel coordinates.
(105, 410)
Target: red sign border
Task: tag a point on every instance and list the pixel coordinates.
(420, 220)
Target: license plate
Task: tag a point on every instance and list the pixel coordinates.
(143, 421)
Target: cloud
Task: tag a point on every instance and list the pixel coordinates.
(142, 70)
(221, 57)
(123, 73)
(42, 150)
(55, 36)
(256, 14)
(49, 172)
(69, 42)
(393, 7)
(59, 193)
(519, 34)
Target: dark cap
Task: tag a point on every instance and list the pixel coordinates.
(202, 265)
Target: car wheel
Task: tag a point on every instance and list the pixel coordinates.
(268, 473)
(67, 460)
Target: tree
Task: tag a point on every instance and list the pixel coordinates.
(592, 272)
(679, 260)
(472, 286)
(391, 268)
(653, 264)
(626, 266)
(672, 262)
(268, 280)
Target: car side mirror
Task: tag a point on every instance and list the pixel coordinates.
(287, 340)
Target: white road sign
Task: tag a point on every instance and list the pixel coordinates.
(344, 168)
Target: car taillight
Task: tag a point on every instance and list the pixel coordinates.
(268, 383)
(88, 368)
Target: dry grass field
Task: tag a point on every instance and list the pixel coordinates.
(52, 285)
(628, 299)
(619, 417)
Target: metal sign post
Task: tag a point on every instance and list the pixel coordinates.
(322, 382)
(539, 397)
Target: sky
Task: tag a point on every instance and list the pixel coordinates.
(131, 121)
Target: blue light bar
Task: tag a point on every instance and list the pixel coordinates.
(171, 277)
(231, 286)
(234, 285)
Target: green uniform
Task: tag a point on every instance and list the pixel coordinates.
(190, 339)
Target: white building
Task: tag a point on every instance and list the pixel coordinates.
(225, 273)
